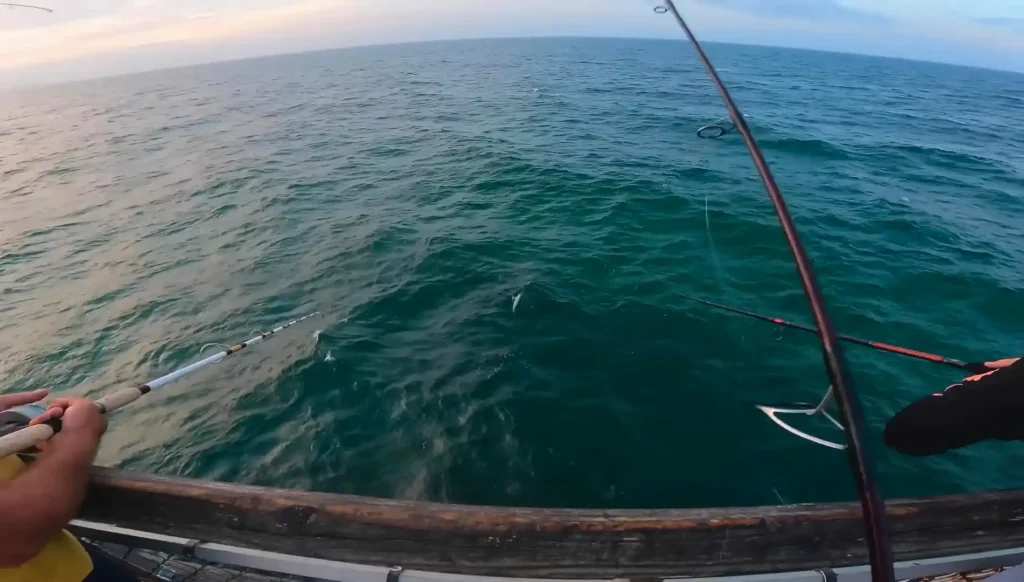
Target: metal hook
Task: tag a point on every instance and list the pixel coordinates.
(773, 413)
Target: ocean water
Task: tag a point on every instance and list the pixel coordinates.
(411, 192)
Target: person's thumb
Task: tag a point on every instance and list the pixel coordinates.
(977, 367)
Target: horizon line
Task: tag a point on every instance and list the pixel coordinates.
(40, 85)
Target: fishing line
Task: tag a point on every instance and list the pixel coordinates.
(715, 260)
(872, 504)
(719, 274)
(707, 220)
(711, 240)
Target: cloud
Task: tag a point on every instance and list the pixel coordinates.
(108, 37)
(137, 35)
(827, 10)
(957, 33)
(133, 29)
(1012, 24)
(833, 25)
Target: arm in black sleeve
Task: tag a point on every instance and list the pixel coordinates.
(984, 407)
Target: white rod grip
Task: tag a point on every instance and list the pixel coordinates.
(24, 439)
(119, 399)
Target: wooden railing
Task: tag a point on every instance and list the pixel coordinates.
(548, 542)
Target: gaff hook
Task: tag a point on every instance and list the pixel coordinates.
(807, 409)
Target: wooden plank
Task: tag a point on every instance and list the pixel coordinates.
(548, 542)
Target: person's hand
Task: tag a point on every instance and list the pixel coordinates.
(1005, 363)
(22, 398)
(982, 369)
(989, 368)
(81, 420)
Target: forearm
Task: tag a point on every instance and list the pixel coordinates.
(987, 406)
(936, 424)
(41, 501)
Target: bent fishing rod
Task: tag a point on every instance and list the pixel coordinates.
(26, 438)
(974, 367)
(872, 504)
(11, 5)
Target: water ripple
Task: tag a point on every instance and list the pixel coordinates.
(411, 192)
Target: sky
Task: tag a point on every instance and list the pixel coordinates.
(94, 38)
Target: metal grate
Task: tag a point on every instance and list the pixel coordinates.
(962, 576)
(163, 558)
(155, 566)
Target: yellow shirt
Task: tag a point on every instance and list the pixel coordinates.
(63, 559)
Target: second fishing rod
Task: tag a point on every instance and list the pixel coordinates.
(973, 367)
(16, 435)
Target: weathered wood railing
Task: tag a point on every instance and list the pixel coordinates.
(548, 542)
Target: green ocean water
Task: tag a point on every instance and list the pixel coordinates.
(411, 192)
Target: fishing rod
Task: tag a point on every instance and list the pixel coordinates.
(872, 504)
(974, 367)
(10, 5)
(25, 438)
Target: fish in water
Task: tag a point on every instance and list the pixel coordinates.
(515, 301)
(329, 357)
